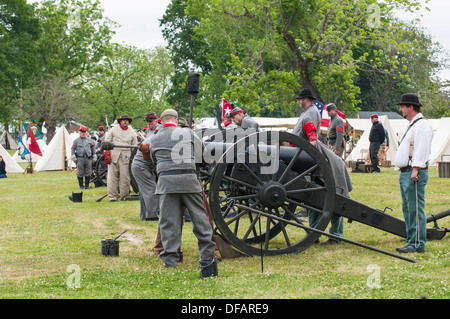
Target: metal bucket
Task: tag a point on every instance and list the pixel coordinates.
(110, 247)
(76, 197)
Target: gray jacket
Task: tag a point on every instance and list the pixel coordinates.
(248, 122)
(336, 132)
(309, 115)
(83, 147)
(176, 152)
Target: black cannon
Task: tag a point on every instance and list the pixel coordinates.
(257, 188)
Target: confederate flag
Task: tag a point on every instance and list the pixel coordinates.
(226, 107)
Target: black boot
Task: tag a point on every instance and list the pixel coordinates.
(86, 182)
(80, 182)
(209, 268)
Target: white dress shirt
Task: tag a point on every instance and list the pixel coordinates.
(423, 135)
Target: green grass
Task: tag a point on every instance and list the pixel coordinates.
(42, 233)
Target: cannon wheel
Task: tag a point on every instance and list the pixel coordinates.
(266, 228)
(101, 170)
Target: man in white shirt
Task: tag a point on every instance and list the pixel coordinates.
(412, 159)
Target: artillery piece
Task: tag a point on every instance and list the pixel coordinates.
(256, 186)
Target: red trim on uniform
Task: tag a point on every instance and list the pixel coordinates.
(123, 128)
(169, 124)
(340, 129)
(309, 127)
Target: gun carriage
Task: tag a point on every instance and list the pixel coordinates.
(257, 187)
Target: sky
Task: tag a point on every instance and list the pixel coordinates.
(139, 22)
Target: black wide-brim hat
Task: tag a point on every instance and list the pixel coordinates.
(305, 93)
(410, 99)
(124, 117)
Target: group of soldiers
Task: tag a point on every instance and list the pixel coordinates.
(169, 187)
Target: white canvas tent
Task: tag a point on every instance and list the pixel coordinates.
(440, 147)
(7, 140)
(364, 144)
(57, 152)
(11, 165)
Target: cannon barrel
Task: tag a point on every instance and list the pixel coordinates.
(303, 161)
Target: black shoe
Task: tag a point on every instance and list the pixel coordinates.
(408, 250)
(331, 242)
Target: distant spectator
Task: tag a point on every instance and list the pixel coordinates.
(2, 168)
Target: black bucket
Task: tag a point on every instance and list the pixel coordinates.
(209, 268)
(110, 247)
(76, 197)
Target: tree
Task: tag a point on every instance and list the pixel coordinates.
(50, 101)
(74, 39)
(19, 32)
(382, 82)
(129, 80)
(266, 51)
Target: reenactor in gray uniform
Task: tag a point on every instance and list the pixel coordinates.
(83, 153)
(335, 131)
(242, 120)
(308, 124)
(307, 127)
(118, 168)
(145, 175)
(101, 138)
(176, 151)
(227, 122)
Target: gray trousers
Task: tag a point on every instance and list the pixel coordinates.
(84, 166)
(147, 186)
(171, 222)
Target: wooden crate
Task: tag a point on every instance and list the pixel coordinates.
(365, 168)
(444, 169)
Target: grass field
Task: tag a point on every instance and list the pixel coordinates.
(50, 249)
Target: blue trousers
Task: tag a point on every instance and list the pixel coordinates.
(413, 206)
(337, 223)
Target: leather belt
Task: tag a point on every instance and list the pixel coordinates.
(408, 168)
(178, 172)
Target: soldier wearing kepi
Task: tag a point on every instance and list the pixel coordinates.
(118, 169)
(176, 151)
(227, 122)
(83, 153)
(335, 130)
(242, 120)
